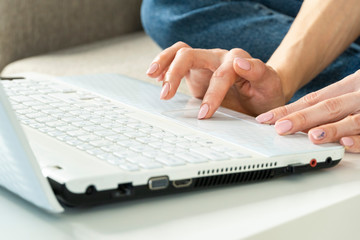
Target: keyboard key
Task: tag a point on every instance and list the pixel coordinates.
(85, 146)
(111, 158)
(56, 133)
(210, 154)
(139, 159)
(170, 160)
(237, 154)
(100, 143)
(141, 148)
(129, 166)
(134, 134)
(88, 138)
(117, 138)
(191, 157)
(95, 151)
(150, 165)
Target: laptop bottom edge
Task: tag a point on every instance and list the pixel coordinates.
(161, 185)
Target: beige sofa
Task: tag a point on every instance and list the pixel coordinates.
(70, 37)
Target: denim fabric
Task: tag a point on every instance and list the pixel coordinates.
(256, 26)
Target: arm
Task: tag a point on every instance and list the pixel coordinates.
(322, 30)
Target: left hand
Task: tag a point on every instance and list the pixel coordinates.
(331, 114)
(219, 77)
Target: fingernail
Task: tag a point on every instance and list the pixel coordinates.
(317, 134)
(283, 126)
(203, 111)
(243, 64)
(346, 141)
(165, 90)
(264, 117)
(153, 67)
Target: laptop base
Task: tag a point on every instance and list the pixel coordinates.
(126, 191)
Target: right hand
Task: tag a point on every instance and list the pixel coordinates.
(331, 114)
(230, 78)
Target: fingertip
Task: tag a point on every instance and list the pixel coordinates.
(347, 142)
(351, 144)
(165, 91)
(283, 127)
(265, 117)
(153, 68)
(204, 109)
(242, 64)
(317, 134)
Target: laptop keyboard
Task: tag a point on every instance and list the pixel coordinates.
(106, 130)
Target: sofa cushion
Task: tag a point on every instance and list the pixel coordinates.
(129, 55)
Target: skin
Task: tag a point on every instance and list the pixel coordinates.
(322, 30)
(214, 75)
(331, 114)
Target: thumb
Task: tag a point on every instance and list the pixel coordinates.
(249, 69)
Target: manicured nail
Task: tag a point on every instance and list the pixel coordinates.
(243, 64)
(283, 126)
(153, 67)
(346, 141)
(264, 117)
(203, 111)
(317, 134)
(165, 90)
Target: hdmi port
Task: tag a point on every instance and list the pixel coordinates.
(182, 183)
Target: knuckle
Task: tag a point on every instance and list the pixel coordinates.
(357, 73)
(181, 44)
(261, 67)
(311, 98)
(184, 51)
(333, 107)
(332, 132)
(219, 52)
(282, 111)
(172, 74)
(219, 73)
(356, 121)
(301, 119)
(237, 51)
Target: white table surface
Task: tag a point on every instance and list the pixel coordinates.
(320, 205)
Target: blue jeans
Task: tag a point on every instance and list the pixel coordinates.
(256, 26)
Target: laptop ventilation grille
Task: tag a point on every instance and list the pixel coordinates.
(233, 178)
(239, 168)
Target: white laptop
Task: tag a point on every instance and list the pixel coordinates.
(89, 140)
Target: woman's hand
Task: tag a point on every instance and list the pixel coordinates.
(231, 78)
(331, 114)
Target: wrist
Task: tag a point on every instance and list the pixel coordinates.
(289, 81)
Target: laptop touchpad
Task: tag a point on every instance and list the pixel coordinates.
(189, 117)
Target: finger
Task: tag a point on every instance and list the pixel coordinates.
(252, 70)
(334, 90)
(351, 143)
(326, 111)
(198, 82)
(162, 75)
(222, 79)
(185, 60)
(164, 59)
(332, 132)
